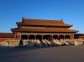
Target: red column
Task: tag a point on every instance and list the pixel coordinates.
(72, 36)
(51, 38)
(64, 37)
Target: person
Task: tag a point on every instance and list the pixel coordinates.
(21, 43)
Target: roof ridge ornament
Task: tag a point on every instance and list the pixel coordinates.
(62, 20)
(23, 18)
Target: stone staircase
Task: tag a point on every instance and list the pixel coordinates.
(42, 43)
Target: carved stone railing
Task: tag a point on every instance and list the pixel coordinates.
(33, 42)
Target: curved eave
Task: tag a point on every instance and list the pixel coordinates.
(43, 31)
(21, 24)
(14, 29)
(18, 23)
(70, 25)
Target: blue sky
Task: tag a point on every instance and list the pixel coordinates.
(12, 11)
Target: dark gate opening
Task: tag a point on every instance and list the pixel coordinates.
(67, 37)
(55, 37)
(39, 37)
(31, 37)
(61, 37)
(24, 37)
(46, 37)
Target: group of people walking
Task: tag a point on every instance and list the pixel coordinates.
(43, 43)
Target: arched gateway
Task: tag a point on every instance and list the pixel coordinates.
(48, 37)
(24, 37)
(43, 29)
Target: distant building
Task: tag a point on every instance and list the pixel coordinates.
(79, 35)
(40, 29)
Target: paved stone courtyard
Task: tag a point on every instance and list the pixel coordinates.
(51, 54)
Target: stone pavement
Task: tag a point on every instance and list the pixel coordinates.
(50, 54)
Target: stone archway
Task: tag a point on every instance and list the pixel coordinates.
(24, 37)
(67, 37)
(31, 36)
(39, 37)
(55, 37)
(61, 36)
(47, 37)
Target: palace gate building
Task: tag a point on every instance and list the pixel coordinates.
(43, 29)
